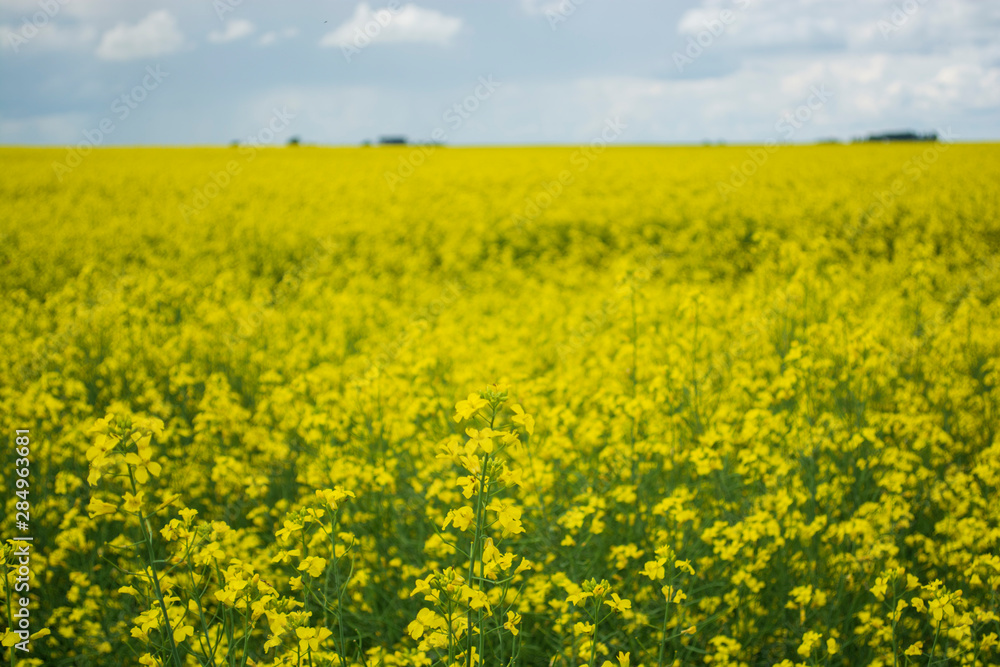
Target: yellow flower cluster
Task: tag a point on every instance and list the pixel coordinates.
(752, 429)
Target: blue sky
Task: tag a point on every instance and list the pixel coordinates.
(495, 71)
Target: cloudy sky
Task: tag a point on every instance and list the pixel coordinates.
(496, 71)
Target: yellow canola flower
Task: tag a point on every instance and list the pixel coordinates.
(183, 632)
(482, 439)
(809, 641)
(133, 503)
(100, 508)
(287, 529)
(684, 565)
(470, 406)
(672, 594)
(311, 638)
(333, 497)
(622, 658)
(314, 565)
(880, 587)
(523, 419)
(283, 556)
(462, 518)
(469, 486)
(512, 477)
(475, 599)
(654, 569)
(513, 622)
(618, 604)
(508, 516)
(426, 619)
(423, 586)
(142, 462)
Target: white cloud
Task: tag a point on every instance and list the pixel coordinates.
(50, 37)
(409, 23)
(917, 65)
(235, 29)
(155, 35)
(855, 25)
(863, 93)
(270, 37)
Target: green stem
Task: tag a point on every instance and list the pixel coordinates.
(340, 607)
(663, 641)
(895, 639)
(246, 627)
(474, 549)
(201, 612)
(635, 341)
(593, 639)
(451, 633)
(937, 632)
(156, 579)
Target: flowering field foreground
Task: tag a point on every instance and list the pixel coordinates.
(645, 406)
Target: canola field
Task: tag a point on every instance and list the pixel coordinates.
(546, 406)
